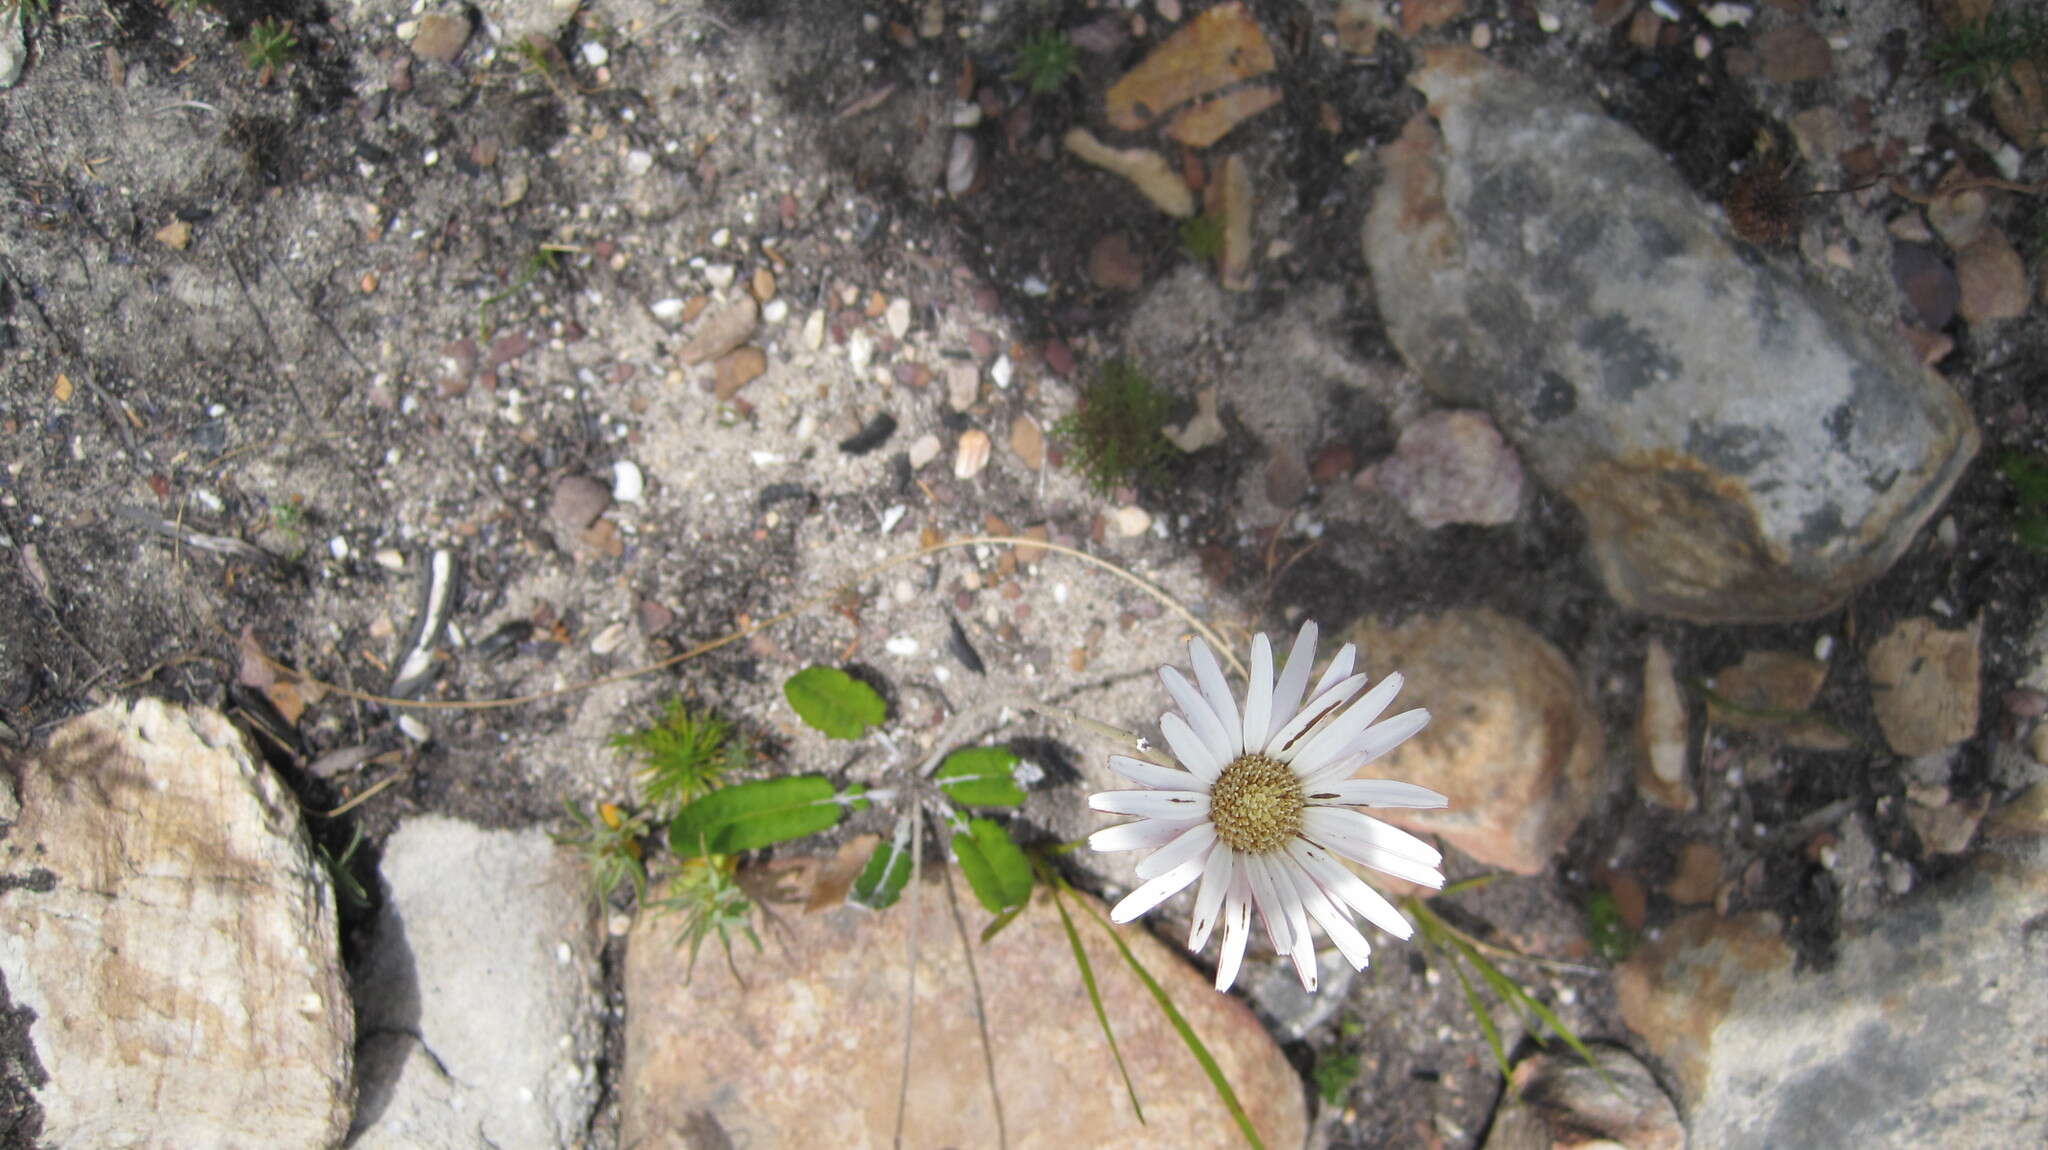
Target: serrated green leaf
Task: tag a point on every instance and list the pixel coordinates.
(834, 702)
(981, 777)
(881, 882)
(748, 816)
(996, 870)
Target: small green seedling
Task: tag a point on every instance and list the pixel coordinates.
(1046, 61)
(346, 885)
(270, 45)
(610, 844)
(1611, 938)
(1334, 1073)
(1116, 432)
(2028, 475)
(1978, 54)
(1202, 236)
(708, 899)
(684, 755)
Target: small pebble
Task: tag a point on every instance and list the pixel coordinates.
(639, 163)
(900, 645)
(628, 484)
(619, 925)
(972, 454)
(595, 54)
(775, 311)
(720, 276)
(412, 728)
(721, 237)
(925, 450)
(668, 310)
(814, 330)
(390, 559)
(1000, 372)
(338, 547)
(1548, 22)
(1130, 521)
(610, 639)
(860, 350)
(963, 386)
(1482, 35)
(899, 317)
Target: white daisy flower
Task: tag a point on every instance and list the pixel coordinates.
(1261, 812)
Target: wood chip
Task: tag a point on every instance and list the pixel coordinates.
(176, 235)
(1216, 49)
(1200, 125)
(1146, 169)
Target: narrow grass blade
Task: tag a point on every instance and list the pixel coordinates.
(1510, 991)
(1094, 995)
(1187, 1035)
(1479, 1011)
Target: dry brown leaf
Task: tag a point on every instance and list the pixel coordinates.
(1216, 49)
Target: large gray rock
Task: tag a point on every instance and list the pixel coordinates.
(1743, 447)
(1926, 1032)
(175, 939)
(479, 1003)
(807, 1053)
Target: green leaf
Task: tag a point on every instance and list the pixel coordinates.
(1187, 1034)
(995, 925)
(981, 777)
(834, 702)
(997, 871)
(1485, 1017)
(2033, 532)
(1095, 996)
(1334, 1073)
(748, 816)
(2028, 475)
(881, 882)
(1509, 991)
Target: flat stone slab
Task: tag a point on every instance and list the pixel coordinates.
(174, 938)
(809, 1051)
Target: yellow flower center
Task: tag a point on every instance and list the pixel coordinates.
(1256, 804)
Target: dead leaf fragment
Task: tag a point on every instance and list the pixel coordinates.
(176, 235)
(1200, 125)
(1146, 169)
(63, 389)
(1923, 686)
(1204, 430)
(1216, 49)
(739, 368)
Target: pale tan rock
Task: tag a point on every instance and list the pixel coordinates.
(1027, 440)
(1514, 743)
(1216, 49)
(971, 454)
(1992, 279)
(1203, 429)
(1130, 521)
(175, 938)
(1663, 733)
(1771, 692)
(925, 450)
(1359, 24)
(441, 36)
(1147, 170)
(807, 1053)
(738, 368)
(722, 331)
(1959, 215)
(1202, 124)
(1924, 684)
(1557, 1102)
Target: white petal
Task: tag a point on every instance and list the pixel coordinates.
(1349, 889)
(1199, 714)
(1368, 745)
(1193, 844)
(1191, 749)
(1326, 823)
(1339, 668)
(1136, 836)
(1335, 921)
(1267, 898)
(1216, 878)
(1216, 689)
(1181, 805)
(1258, 694)
(1287, 693)
(1329, 744)
(1152, 774)
(1304, 952)
(1237, 930)
(1158, 890)
(1374, 793)
(1299, 730)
